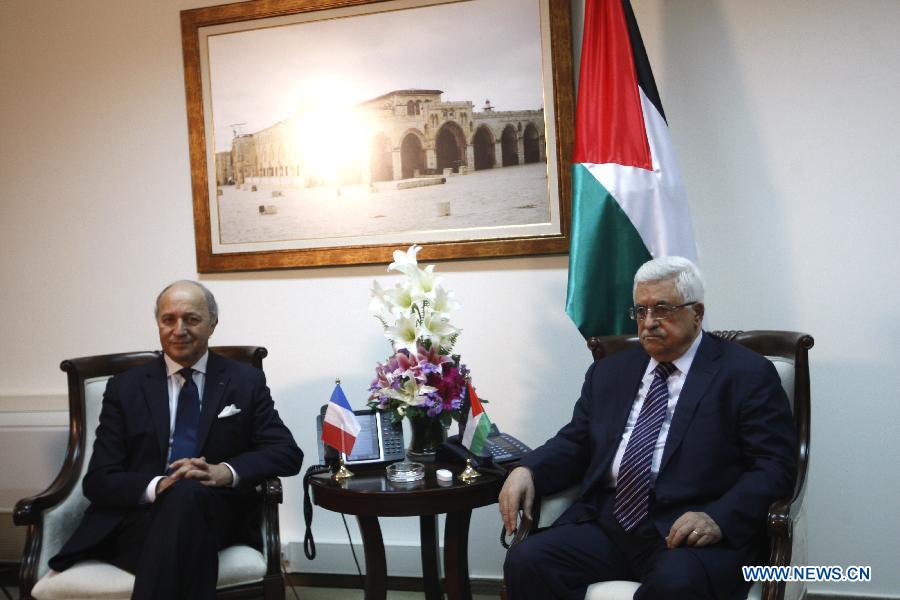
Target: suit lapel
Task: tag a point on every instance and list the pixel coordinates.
(702, 372)
(213, 391)
(156, 394)
(631, 377)
(615, 414)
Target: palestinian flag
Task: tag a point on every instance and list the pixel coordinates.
(628, 201)
(477, 425)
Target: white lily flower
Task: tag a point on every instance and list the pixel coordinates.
(444, 302)
(410, 393)
(381, 302)
(405, 262)
(436, 327)
(403, 334)
(446, 341)
(420, 398)
(401, 299)
(424, 282)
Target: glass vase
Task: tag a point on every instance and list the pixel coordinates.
(427, 433)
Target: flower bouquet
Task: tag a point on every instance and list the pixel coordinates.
(421, 380)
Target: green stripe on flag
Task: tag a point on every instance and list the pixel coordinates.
(482, 428)
(605, 252)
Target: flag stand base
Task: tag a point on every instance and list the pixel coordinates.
(342, 473)
(469, 474)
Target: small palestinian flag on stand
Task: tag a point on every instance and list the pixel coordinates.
(477, 425)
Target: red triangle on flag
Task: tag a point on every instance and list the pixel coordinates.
(609, 124)
(474, 402)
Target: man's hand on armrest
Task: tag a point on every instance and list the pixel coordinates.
(517, 492)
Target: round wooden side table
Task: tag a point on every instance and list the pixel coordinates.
(370, 495)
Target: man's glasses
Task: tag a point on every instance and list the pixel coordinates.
(658, 312)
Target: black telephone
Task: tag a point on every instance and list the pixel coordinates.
(379, 441)
(499, 448)
(502, 447)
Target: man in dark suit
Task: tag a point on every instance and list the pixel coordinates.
(181, 445)
(678, 448)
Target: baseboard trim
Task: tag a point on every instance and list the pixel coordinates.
(488, 587)
(400, 584)
(846, 596)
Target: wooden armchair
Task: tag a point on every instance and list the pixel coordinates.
(52, 515)
(788, 351)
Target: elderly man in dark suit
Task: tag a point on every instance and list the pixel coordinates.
(181, 445)
(679, 447)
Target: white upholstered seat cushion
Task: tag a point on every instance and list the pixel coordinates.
(624, 590)
(97, 580)
(612, 590)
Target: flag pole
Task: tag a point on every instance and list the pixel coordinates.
(469, 473)
(342, 471)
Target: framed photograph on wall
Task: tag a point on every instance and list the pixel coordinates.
(332, 132)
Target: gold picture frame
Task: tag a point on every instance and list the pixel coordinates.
(259, 187)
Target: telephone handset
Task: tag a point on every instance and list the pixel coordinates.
(499, 448)
(502, 447)
(380, 441)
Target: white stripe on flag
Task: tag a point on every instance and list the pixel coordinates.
(342, 419)
(471, 428)
(655, 201)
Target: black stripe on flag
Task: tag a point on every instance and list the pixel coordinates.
(641, 62)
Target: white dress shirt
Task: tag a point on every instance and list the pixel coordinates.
(674, 383)
(174, 383)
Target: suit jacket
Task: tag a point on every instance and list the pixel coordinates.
(730, 452)
(131, 446)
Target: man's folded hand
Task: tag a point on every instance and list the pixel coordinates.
(215, 475)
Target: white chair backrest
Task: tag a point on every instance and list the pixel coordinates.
(61, 520)
(785, 368)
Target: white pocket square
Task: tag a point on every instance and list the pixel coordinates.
(229, 410)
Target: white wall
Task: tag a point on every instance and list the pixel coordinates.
(781, 113)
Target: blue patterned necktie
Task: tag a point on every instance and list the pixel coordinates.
(187, 419)
(632, 503)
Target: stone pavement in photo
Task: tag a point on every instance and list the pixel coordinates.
(515, 195)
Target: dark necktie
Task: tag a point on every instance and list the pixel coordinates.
(187, 419)
(632, 503)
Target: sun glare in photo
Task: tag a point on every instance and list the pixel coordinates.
(329, 132)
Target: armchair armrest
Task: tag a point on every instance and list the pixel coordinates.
(29, 512)
(272, 497)
(544, 512)
(780, 522)
(784, 514)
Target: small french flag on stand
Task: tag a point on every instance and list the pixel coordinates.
(340, 426)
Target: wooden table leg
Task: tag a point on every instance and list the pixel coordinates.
(428, 538)
(456, 555)
(376, 566)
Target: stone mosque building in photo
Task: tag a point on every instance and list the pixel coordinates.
(399, 135)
